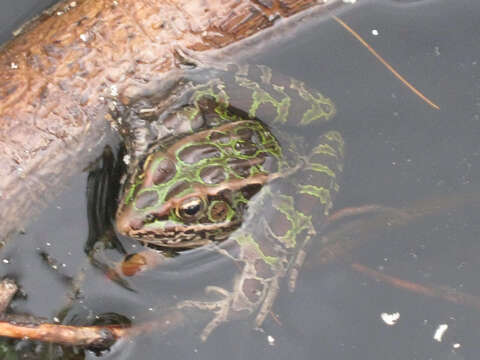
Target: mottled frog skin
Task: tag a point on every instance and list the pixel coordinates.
(216, 163)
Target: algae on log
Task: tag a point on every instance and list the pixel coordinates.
(56, 74)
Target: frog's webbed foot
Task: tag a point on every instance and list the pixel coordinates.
(220, 308)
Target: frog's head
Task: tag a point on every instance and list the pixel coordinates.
(196, 188)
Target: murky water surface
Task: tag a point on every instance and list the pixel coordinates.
(400, 153)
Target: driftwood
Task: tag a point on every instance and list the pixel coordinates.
(56, 74)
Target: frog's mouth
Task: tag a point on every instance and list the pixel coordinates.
(186, 237)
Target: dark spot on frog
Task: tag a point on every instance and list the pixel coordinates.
(268, 248)
(279, 223)
(206, 103)
(146, 199)
(244, 133)
(177, 189)
(252, 288)
(240, 167)
(219, 137)
(164, 172)
(194, 153)
(245, 148)
(263, 269)
(212, 174)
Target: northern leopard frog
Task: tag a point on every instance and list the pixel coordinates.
(205, 168)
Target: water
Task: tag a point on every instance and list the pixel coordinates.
(399, 151)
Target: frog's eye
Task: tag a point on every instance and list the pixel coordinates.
(190, 208)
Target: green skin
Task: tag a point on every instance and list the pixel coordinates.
(214, 171)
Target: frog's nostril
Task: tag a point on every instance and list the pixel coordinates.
(125, 224)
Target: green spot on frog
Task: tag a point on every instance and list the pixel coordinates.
(247, 240)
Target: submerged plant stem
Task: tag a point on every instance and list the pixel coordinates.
(443, 292)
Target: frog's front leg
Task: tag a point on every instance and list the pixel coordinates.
(255, 286)
(220, 308)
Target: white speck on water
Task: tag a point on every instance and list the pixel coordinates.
(6, 261)
(390, 319)
(436, 50)
(375, 32)
(150, 309)
(84, 37)
(48, 244)
(456, 345)
(13, 66)
(271, 340)
(440, 332)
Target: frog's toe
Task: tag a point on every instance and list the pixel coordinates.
(220, 309)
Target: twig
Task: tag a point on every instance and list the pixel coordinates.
(385, 63)
(98, 337)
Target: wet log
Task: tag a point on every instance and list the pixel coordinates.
(56, 74)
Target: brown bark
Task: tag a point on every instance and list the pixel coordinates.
(56, 74)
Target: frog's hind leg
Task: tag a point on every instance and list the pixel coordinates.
(317, 184)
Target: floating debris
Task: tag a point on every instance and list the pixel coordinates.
(390, 319)
(271, 340)
(440, 332)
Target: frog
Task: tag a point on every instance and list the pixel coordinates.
(219, 162)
